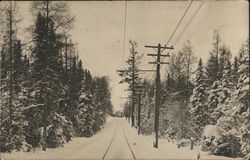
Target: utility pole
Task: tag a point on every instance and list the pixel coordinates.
(157, 83)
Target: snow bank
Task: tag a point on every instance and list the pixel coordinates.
(143, 147)
(211, 130)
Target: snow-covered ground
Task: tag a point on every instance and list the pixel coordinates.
(116, 129)
(143, 148)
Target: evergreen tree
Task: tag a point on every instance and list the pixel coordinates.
(12, 121)
(147, 112)
(73, 91)
(102, 99)
(131, 75)
(224, 59)
(235, 69)
(41, 101)
(225, 89)
(228, 142)
(18, 67)
(47, 89)
(212, 68)
(86, 110)
(232, 113)
(243, 95)
(198, 108)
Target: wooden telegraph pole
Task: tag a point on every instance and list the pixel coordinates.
(157, 83)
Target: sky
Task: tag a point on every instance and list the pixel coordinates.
(100, 25)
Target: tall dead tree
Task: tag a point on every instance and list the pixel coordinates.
(131, 75)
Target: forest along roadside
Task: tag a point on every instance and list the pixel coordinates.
(79, 148)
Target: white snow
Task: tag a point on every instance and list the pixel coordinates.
(211, 130)
(143, 147)
(95, 147)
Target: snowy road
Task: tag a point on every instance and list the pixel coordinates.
(110, 143)
(117, 140)
(119, 146)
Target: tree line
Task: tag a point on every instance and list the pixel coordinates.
(47, 96)
(208, 103)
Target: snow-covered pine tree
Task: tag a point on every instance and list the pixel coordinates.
(233, 111)
(86, 117)
(17, 66)
(198, 108)
(227, 143)
(147, 111)
(47, 90)
(73, 91)
(212, 68)
(101, 100)
(224, 59)
(218, 93)
(12, 121)
(243, 94)
(235, 70)
(46, 86)
(94, 104)
(225, 88)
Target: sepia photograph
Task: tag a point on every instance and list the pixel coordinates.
(124, 80)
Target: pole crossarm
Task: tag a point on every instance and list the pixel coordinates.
(136, 89)
(140, 85)
(139, 70)
(139, 90)
(128, 90)
(138, 93)
(161, 47)
(158, 63)
(123, 97)
(147, 70)
(162, 55)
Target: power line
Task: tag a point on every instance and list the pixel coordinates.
(180, 22)
(210, 9)
(124, 33)
(175, 29)
(189, 22)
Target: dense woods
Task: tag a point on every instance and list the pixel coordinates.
(207, 102)
(47, 95)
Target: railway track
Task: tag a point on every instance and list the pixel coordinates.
(103, 157)
(112, 139)
(128, 142)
